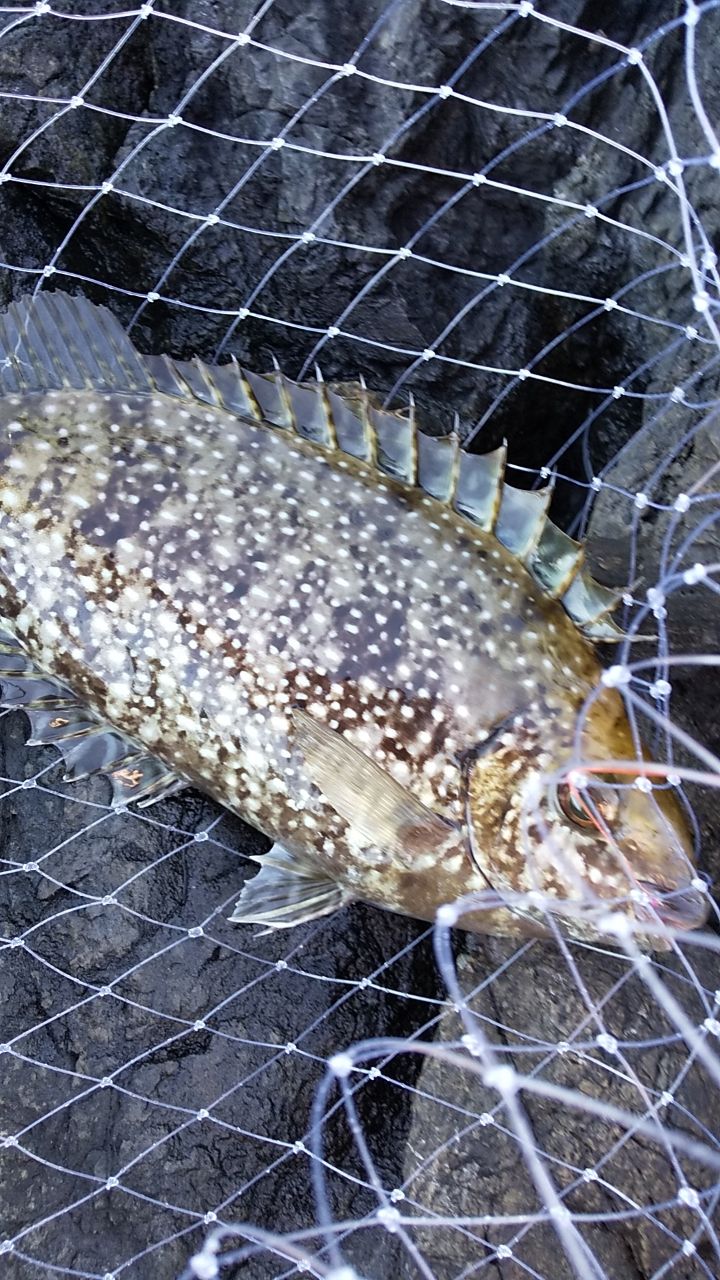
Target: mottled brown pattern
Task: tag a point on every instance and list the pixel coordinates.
(194, 577)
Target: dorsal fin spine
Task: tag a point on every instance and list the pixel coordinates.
(205, 378)
(413, 424)
(455, 455)
(368, 428)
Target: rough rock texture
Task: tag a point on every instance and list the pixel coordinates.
(464, 1161)
(149, 234)
(143, 1124)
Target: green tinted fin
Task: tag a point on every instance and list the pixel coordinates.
(361, 427)
(100, 750)
(438, 464)
(349, 412)
(87, 744)
(521, 518)
(517, 517)
(143, 780)
(55, 342)
(54, 725)
(396, 436)
(13, 661)
(235, 393)
(269, 397)
(34, 690)
(609, 632)
(196, 377)
(555, 560)
(165, 375)
(310, 411)
(287, 891)
(222, 385)
(589, 604)
(269, 392)
(345, 416)
(479, 487)
(382, 814)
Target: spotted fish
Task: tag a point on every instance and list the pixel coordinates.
(352, 633)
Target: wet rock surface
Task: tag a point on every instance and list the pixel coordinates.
(115, 1085)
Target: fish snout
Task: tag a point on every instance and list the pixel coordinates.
(683, 907)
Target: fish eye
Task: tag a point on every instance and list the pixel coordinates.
(596, 809)
(571, 805)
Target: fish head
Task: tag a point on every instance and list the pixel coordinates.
(601, 849)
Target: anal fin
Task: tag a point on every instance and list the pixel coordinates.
(144, 779)
(87, 744)
(287, 891)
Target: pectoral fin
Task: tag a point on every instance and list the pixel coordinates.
(382, 814)
(287, 891)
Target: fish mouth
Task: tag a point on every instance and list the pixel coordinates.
(683, 907)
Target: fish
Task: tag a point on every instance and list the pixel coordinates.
(345, 628)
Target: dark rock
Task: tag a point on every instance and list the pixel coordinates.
(465, 1161)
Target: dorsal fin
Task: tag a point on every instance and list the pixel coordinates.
(590, 604)
(310, 413)
(438, 464)
(479, 487)
(521, 519)
(348, 404)
(56, 341)
(555, 560)
(347, 417)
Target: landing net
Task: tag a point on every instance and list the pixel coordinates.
(509, 212)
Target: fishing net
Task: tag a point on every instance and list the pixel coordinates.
(507, 211)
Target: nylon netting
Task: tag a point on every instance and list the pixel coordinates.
(507, 210)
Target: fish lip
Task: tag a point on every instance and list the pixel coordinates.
(683, 907)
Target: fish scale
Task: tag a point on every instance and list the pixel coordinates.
(345, 630)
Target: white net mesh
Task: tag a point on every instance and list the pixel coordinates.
(509, 212)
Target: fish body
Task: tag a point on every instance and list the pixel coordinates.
(339, 629)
